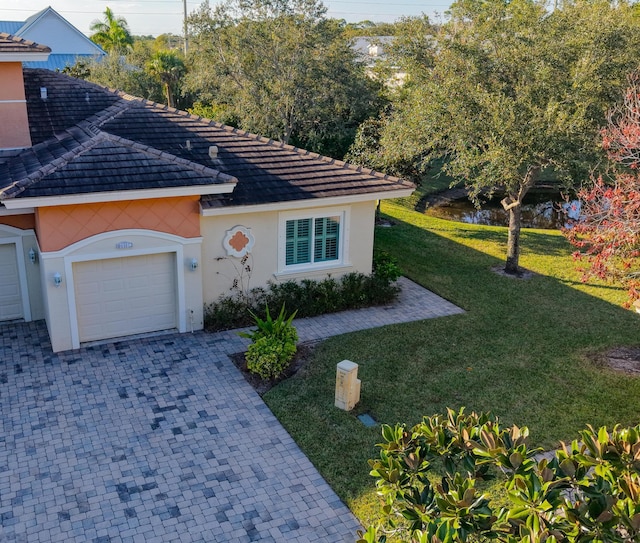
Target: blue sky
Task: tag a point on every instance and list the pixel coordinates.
(160, 16)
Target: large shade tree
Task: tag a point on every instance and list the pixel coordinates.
(282, 69)
(111, 33)
(507, 90)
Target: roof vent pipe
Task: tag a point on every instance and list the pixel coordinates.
(43, 93)
(188, 145)
(213, 151)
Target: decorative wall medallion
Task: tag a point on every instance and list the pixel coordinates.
(238, 241)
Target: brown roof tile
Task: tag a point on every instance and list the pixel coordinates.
(13, 44)
(93, 139)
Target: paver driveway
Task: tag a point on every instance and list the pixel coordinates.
(157, 439)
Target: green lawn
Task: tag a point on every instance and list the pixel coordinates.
(523, 350)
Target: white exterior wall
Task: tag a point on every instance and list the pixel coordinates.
(266, 258)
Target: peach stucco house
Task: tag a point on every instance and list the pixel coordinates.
(120, 216)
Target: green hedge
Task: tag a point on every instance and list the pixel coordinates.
(307, 297)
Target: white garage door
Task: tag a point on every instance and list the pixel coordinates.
(10, 298)
(125, 296)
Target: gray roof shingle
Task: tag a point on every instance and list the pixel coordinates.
(90, 139)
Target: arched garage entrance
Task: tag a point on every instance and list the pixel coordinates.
(122, 283)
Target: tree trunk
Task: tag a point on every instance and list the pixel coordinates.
(513, 204)
(513, 242)
(170, 100)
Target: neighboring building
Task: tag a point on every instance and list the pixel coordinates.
(48, 27)
(119, 216)
(371, 51)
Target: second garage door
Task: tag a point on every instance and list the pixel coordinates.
(125, 296)
(10, 298)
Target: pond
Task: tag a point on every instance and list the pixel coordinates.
(541, 209)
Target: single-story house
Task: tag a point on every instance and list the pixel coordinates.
(66, 42)
(119, 216)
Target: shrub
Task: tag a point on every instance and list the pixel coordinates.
(269, 356)
(309, 298)
(273, 344)
(227, 312)
(588, 491)
(355, 288)
(385, 266)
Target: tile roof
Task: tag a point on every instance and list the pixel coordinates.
(69, 101)
(86, 163)
(90, 139)
(13, 44)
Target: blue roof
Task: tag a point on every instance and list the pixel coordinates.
(58, 61)
(11, 26)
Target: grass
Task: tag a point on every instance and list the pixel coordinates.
(522, 350)
(431, 182)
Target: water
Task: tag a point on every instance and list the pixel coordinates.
(543, 209)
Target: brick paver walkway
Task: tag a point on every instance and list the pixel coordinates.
(160, 439)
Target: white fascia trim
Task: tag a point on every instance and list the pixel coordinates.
(24, 57)
(172, 239)
(8, 212)
(13, 101)
(117, 196)
(305, 204)
(13, 148)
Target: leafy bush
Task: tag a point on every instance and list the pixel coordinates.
(308, 297)
(227, 312)
(385, 266)
(273, 344)
(268, 356)
(589, 491)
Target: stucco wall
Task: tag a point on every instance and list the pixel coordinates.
(220, 270)
(60, 226)
(24, 222)
(14, 128)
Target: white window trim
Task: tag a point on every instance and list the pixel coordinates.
(343, 260)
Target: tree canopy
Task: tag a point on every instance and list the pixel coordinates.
(112, 33)
(167, 67)
(506, 90)
(280, 68)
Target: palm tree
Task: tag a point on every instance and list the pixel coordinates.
(112, 33)
(168, 68)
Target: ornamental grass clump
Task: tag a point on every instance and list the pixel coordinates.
(273, 344)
